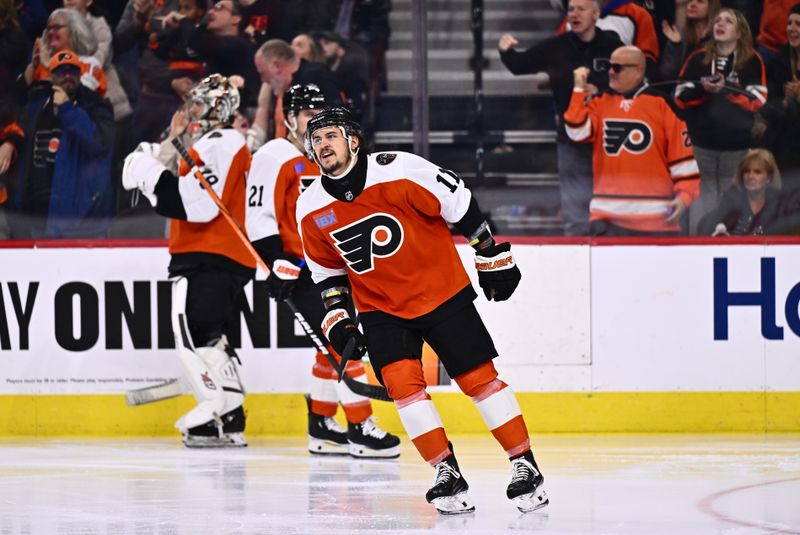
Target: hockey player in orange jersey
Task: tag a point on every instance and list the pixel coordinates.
(375, 227)
(279, 172)
(645, 174)
(209, 264)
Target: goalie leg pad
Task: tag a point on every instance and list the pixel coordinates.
(210, 372)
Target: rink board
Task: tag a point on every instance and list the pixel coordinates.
(598, 337)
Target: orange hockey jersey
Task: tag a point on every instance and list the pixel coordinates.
(223, 157)
(279, 173)
(392, 240)
(642, 158)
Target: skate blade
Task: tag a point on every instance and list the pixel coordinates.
(229, 440)
(454, 505)
(527, 503)
(318, 446)
(363, 452)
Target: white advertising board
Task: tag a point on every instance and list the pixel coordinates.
(96, 320)
(695, 318)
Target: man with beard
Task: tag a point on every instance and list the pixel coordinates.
(375, 226)
(63, 189)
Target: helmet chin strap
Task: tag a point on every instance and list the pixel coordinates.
(293, 130)
(353, 155)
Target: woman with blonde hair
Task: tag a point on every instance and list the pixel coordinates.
(721, 87)
(753, 204)
(693, 22)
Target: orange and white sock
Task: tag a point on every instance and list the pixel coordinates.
(406, 385)
(498, 406)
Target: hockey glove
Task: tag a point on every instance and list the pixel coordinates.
(141, 171)
(286, 270)
(344, 336)
(498, 275)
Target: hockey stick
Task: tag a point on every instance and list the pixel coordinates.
(150, 394)
(362, 389)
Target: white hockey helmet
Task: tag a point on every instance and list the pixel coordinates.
(215, 101)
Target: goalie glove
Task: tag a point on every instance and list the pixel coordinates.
(498, 275)
(142, 171)
(344, 336)
(283, 276)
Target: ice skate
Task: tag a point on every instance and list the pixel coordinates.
(525, 489)
(326, 436)
(226, 431)
(367, 440)
(449, 491)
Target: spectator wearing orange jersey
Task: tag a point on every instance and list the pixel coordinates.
(645, 175)
(67, 29)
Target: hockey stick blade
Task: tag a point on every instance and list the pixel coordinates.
(151, 394)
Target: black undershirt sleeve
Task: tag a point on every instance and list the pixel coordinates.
(169, 198)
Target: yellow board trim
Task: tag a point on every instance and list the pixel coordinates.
(552, 412)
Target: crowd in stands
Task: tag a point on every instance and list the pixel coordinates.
(82, 82)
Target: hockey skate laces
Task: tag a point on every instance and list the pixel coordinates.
(372, 430)
(444, 472)
(333, 425)
(520, 469)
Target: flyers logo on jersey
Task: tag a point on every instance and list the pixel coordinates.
(633, 136)
(377, 235)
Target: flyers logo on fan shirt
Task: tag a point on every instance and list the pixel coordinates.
(377, 235)
(633, 136)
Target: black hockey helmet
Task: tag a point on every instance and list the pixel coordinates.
(302, 97)
(335, 116)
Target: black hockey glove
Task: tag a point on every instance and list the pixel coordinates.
(285, 272)
(344, 336)
(498, 275)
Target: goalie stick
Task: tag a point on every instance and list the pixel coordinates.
(149, 394)
(363, 389)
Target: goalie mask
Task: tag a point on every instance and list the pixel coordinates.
(213, 102)
(336, 116)
(297, 98)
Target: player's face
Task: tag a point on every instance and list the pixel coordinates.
(582, 15)
(755, 177)
(331, 150)
(303, 116)
(793, 30)
(697, 9)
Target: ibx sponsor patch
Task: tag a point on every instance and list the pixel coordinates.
(325, 219)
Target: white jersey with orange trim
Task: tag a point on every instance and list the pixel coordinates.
(391, 237)
(224, 160)
(279, 173)
(642, 158)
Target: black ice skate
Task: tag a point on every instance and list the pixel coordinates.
(525, 489)
(449, 491)
(326, 436)
(226, 431)
(367, 440)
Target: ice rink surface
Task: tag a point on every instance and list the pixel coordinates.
(615, 484)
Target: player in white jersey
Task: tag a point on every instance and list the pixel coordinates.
(279, 172)
(209, 264)
(376, 226)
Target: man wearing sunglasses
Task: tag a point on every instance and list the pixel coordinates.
(645, 174)
(558, 56)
